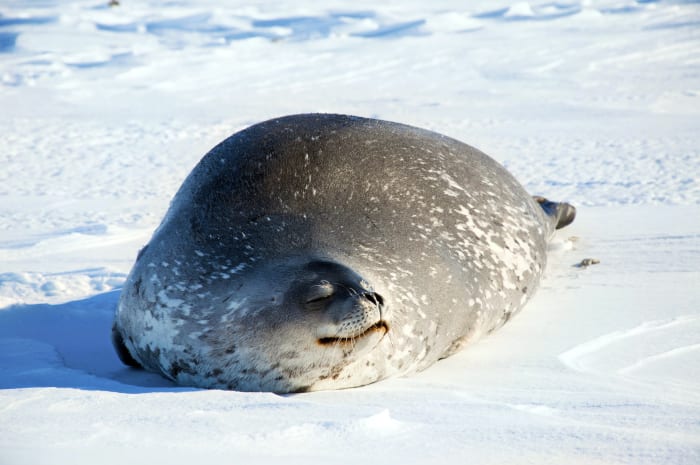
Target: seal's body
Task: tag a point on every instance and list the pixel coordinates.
(327, 251)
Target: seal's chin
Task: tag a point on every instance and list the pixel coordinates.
(379, 329)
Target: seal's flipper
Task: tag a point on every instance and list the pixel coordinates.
(565, 214)
(123, 353)
(562, 213)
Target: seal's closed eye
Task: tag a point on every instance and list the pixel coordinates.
(319, 292)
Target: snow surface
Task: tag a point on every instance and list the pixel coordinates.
(105, 110)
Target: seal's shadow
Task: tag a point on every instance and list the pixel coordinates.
(68, 346)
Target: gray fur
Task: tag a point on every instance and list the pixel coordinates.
(328, 251)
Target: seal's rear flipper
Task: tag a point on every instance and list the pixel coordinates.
(563, 213)
(122, 351)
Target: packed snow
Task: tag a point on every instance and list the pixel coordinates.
(105, 110)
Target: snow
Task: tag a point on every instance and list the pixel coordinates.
(105, 110)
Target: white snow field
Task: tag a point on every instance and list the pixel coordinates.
(104, 111)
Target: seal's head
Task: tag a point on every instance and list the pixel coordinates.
(301, 325)
(342, 306)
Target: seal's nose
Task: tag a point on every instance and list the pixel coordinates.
(375, 298)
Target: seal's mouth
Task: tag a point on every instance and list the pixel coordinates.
(379, 327)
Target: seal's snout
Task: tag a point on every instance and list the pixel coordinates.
(354, 315)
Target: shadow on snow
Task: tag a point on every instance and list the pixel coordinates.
(68, 346)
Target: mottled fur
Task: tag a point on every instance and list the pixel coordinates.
(426, 244)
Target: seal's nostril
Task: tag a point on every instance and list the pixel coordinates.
(375, 298)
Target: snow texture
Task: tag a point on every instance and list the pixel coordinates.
(105, 110)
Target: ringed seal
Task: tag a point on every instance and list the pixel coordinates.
(326, 251)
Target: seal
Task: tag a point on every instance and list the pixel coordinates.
(323, 251)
